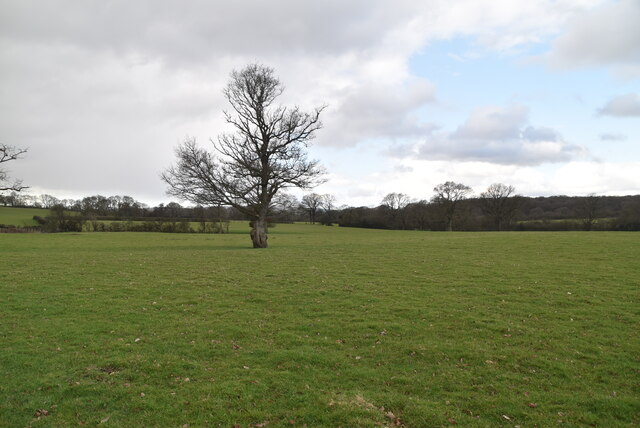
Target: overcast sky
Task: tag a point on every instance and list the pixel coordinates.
(540, 94)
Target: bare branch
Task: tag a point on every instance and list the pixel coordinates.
(7, 154)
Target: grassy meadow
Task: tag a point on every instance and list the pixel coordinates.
(328, 327)
(21, 216)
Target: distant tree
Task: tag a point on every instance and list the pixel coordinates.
(60, 220)
(328, 205)
(395, 204)
(311, 203)
(396, 201)
(48, 201)
(14, 199)
(500, 203)
(629, 218)
(285, 207)
(173, 210)
(265, 154)
(418, 215)
(447, 197)
(8, 154)
(589, 210)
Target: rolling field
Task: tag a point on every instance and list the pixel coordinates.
(21, 216)
(328, 327)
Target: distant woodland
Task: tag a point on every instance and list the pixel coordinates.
(396, 211)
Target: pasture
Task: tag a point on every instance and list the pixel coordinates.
(21, 216)
(328, 327)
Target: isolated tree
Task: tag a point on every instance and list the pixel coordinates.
(311, 203)
(265, 154)
(448, 195)
(589, 210)
(8, 154)
(500, 203)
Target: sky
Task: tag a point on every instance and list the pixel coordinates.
(543, 95)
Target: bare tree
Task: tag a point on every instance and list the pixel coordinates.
(285, 207)
(7, 154)
(448, 195)
(589, 210)
(396, 203)
(500, 203)
(49, 201)
(265, 154)
(311, 203)
(328, 204)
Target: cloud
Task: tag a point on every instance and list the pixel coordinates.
(622, 106)
(371, 111)
(492, 123)
(102, 91)
(499, 135)
(608, 35)
(612, 137)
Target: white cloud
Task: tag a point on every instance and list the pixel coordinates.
(608, 35)
(499, 135)
(622, 106)
(493, 123)
(101, 91)
(371, 111)
(417, 178)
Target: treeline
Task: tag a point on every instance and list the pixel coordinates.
(118, 214)
(452, 207)
(499, 208)
(556, 213)
(63, 220)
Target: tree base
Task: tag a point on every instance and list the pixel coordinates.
(259, 237)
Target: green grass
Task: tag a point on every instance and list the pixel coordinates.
(328, 327)
(21, 216)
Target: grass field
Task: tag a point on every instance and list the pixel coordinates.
(21, 216)
(328, 327)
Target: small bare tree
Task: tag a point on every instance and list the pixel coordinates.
(447, 196)
(311, 203)
(396, 203)
(328, 204)
(589, 210)
(500, 203)
(265, 154)
(7, 154)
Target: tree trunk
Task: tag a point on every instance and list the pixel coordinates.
(259, 233)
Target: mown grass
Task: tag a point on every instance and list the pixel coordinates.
(328, 327)
(21, 216)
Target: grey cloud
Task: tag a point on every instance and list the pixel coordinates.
(612, 137)
(500, 136)
(372, 111)
(188, 31)
(102, 90)
(622, 106)
(608, 35)
(540, 134)
(491, 123)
